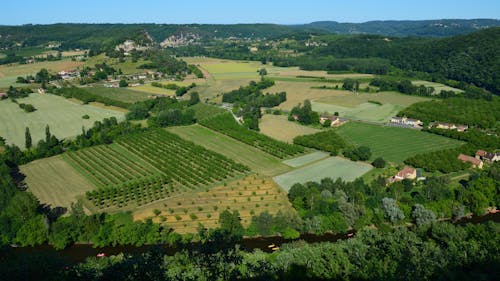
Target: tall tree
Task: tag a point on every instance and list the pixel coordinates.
(47, 134)
(27, 138)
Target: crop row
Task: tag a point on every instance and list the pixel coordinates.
(226, 124)
(180, 160)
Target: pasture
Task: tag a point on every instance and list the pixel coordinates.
(129, 95)
(332, 167)
(392, 143)
(249, 196)
(54, 182)
(437, 86)
(63, 116)
(250, 156)
(278, 127)
(363, 112)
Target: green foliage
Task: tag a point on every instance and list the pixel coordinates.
(361, 153)
(123, 83)
(226, 124)
(304, 114)
(327, 140)
(379, 162)
(33, 232)
(445, 161)
(86, 97)
(473, 112)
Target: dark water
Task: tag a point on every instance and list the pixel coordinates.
(78, 253)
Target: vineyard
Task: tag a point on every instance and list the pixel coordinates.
(328, 141)
(182, 161)
(226, 124)
(147, 167)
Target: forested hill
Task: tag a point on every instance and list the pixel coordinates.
(471, 58)
(424, 28)
(98, 35)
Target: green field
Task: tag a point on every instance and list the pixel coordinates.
(120, 94)
(332, 167)
(254, 158)
(363, 112)
(54, 182)
(392, 143)
(306, 159)
(63, 116)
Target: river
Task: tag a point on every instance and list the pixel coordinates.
(79, 252)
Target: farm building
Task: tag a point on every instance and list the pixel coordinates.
(406, 173)
(487, 156)
(449, 126)
(334, 120)
(408, 122)
(476, 163)
(3, 95)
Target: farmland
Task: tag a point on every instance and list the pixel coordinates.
(250, 156)
(226, 124)
(249, 196)
(278, 127)
(333, 167)
(120, 94)
(392, 143)
(63, 116)
(9, 73)
(54, 182)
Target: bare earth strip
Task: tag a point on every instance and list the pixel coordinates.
(54, 182)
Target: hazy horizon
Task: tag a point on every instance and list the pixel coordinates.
(233, 12)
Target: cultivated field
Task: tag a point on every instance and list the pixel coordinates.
(278, 127)
(348, 99)
(332, 167)
(54, 182)
(63, 116)
(392, 143)
(250, 156)
(249, 196)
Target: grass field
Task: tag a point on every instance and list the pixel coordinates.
(63, 116)
(437, 86)
(306, 159)
(250, 156)
(363, 112)
(54, 182)
(129, 95)
(249, 196)
(278, 127)
(332, 167)
(392, 143)
(348, 99)
(10, 72)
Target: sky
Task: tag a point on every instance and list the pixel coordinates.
(14, 12)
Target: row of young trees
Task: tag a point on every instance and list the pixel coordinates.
(226, 124)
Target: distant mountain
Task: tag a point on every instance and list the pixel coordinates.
(424, 28)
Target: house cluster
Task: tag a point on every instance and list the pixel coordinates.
(488, 157)
(130, 45)
(481, 156)
(335, 121)
(406, 173)
(70, 74)
(406, 122)
(180, 40)
(449, 126)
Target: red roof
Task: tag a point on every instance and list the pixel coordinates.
(470, 159)
(405, 171)
(481, 153)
